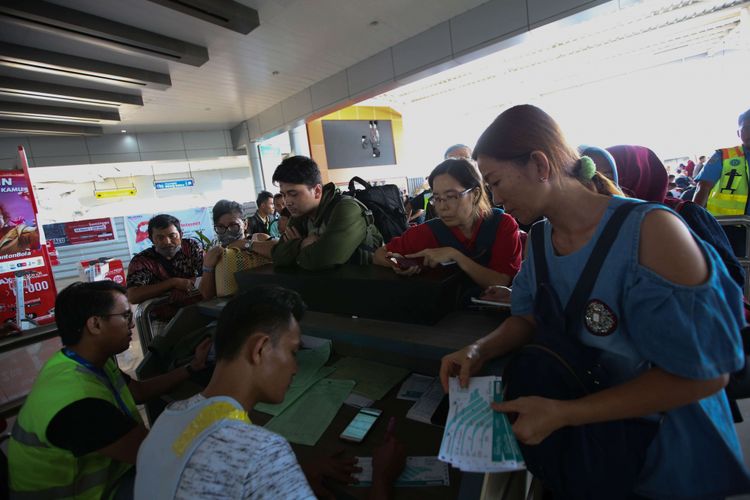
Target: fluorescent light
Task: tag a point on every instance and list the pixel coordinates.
(32, 89)
(44, 112)
(36, 128)
(56, 63)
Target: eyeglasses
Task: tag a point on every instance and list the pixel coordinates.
(233, 228)
(450, 198)
(127, 315)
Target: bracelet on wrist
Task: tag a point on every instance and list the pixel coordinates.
(208, 269)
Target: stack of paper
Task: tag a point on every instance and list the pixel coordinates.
(310, 370)
(476, 438)
(419, 471)
(374, 380)
(424, 408)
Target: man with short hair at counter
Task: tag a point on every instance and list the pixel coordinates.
(78, 433)
(260, 222)
(171, 265)
(326, 229)
(206, 446)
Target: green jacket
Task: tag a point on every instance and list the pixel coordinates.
(346, 229)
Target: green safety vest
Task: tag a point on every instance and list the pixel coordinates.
(729, 194)
(40, 470)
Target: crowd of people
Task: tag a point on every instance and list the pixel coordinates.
(635, 409)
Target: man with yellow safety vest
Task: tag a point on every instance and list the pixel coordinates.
(78, 433)
(723, 181)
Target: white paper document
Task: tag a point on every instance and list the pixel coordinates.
(476, 438)
(419, 471)
(414, 386)
(425, 407)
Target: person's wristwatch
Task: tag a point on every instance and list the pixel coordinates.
(248, 246)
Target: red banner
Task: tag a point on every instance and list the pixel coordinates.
(89, 231)
(24, 263)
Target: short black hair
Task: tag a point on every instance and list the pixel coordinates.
(163, 221)
(262, 197)
(743, 117)
(448, 151)
(277, 196)
(298, 170)
(226, 207)
(265, 308)
(80, 301)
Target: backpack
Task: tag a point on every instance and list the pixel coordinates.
(592, 461)
(485, 239)
(386, 205)
(709, 230)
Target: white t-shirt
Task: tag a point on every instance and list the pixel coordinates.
(238, 460)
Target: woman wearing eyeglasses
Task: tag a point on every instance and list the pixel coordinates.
(482, 241)
(230, 234)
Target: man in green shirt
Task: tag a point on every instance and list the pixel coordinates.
(327, 228)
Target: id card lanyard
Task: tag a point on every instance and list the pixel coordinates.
(101, 373)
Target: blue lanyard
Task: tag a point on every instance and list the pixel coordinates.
(101, 373)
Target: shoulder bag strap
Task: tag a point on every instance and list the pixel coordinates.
(590, 273)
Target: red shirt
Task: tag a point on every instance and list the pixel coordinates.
(506, 251)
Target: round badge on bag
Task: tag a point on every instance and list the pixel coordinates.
(599, 318)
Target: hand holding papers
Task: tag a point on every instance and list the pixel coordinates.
(476, 438)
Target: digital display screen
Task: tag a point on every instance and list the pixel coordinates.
(358, 427)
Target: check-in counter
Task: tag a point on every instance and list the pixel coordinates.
(21, 357)
(418, 348)
(367, 291)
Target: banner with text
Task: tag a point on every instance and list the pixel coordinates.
(79, 232)
(192, 221)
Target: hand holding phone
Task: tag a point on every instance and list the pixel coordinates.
(360, 425)
(403, 262)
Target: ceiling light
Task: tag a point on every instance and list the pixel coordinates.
(87, 28)
(36, 128)
(31, 89)
(56, 63)
(225, 13)
(42, 112)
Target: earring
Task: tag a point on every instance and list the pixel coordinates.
(542, 179)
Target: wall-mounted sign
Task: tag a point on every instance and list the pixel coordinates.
(115, 193)
(78, 232)
(191, 221)
(174, 184)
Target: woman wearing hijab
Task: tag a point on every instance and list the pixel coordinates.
(662, 366)
(641, 174)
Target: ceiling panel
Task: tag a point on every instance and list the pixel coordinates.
(305, 41)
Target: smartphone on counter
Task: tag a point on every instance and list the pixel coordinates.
(403, 262)
(360, 425)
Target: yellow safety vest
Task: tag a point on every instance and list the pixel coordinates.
(40, 470)
(729, 194)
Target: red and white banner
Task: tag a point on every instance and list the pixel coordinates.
(21, 253)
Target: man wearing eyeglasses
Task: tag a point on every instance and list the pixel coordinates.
(78, 433)
(171, 266)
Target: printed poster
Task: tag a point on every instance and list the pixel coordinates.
(22, 254)
(79, 232)
(191, 221)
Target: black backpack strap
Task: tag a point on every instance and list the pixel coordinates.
(443, 234)
(590, 273)
(487, 236)
(359, 180)
(540, 260)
